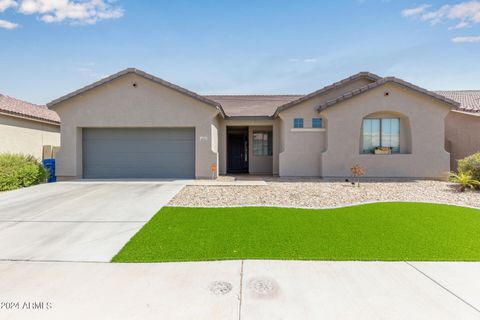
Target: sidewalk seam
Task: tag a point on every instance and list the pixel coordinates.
(443, 287)
(241, 293)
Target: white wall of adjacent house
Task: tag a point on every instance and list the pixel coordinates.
(23, 136)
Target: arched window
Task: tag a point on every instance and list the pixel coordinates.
(381, 134)
(385, 132)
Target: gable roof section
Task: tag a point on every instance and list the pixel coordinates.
(144, 75)
(360, 75)
(20, 108)
(381, 82)
(469, 99)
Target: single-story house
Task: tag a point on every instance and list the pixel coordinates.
(25, 128)
(135, 125)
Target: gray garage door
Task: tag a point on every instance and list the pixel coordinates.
(138, 153)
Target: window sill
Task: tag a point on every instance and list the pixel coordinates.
(307, 129)
(387, 154)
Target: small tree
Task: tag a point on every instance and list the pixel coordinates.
(357, 172)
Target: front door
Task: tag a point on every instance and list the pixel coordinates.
(237, 151)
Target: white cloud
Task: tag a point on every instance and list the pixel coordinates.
(72, 11)
(415, 10)
(4, 24)
(307, 60)
(5, 4)
(470, 39)
(87, 11)
(463, 14)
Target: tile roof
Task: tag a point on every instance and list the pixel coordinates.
(252, 105)
(361, 75)
(469, 99)
(383, 81)
(266, 105)
(28, 110)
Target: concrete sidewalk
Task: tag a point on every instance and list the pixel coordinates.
(252, 289)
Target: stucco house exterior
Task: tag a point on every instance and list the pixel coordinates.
(462, 129)
(25, 128)
(135, 125)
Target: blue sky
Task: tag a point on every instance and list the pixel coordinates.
(52, 47)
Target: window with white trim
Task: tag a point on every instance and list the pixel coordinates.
(298, 123)
(262, 143)
(317, 123)
(381, 133)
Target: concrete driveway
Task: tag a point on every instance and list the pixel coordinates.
(233, 290)
(77, 221)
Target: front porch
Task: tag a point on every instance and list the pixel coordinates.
(248, 148)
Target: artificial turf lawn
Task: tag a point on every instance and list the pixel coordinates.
(380, 231)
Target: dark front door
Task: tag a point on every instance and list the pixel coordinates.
(237, 151)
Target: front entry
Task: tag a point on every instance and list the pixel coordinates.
(237, 150)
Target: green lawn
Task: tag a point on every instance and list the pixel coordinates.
(381, 231)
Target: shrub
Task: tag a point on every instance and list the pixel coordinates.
(18, 171)
(471, 165)
(464, 181)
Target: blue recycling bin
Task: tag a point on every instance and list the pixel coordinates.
(49, 164)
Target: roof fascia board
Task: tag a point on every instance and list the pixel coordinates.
(31, 118)
(249, 118)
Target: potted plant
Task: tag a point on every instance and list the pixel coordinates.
(383, 150)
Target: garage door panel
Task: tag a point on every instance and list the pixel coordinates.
(110, 153)
(129, 134)
(150, 160)
(139, 146)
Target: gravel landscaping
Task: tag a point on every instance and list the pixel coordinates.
(323, 193)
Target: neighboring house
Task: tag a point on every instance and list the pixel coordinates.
(25, 128)
(463, 125)
(135, 125)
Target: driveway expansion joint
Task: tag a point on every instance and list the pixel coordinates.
(443, 287)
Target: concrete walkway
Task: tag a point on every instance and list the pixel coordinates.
(77, 221)
(242, 290)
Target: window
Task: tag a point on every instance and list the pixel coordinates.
(262, 143)
(298, 123)
(317, 123)
(381, 133)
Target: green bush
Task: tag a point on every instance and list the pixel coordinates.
(18, 171)
(470, 165)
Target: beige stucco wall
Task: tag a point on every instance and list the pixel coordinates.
(23, 136)
(256, 164)
(425, 156)
(149, 104)
(300, 151)
(462, 135)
